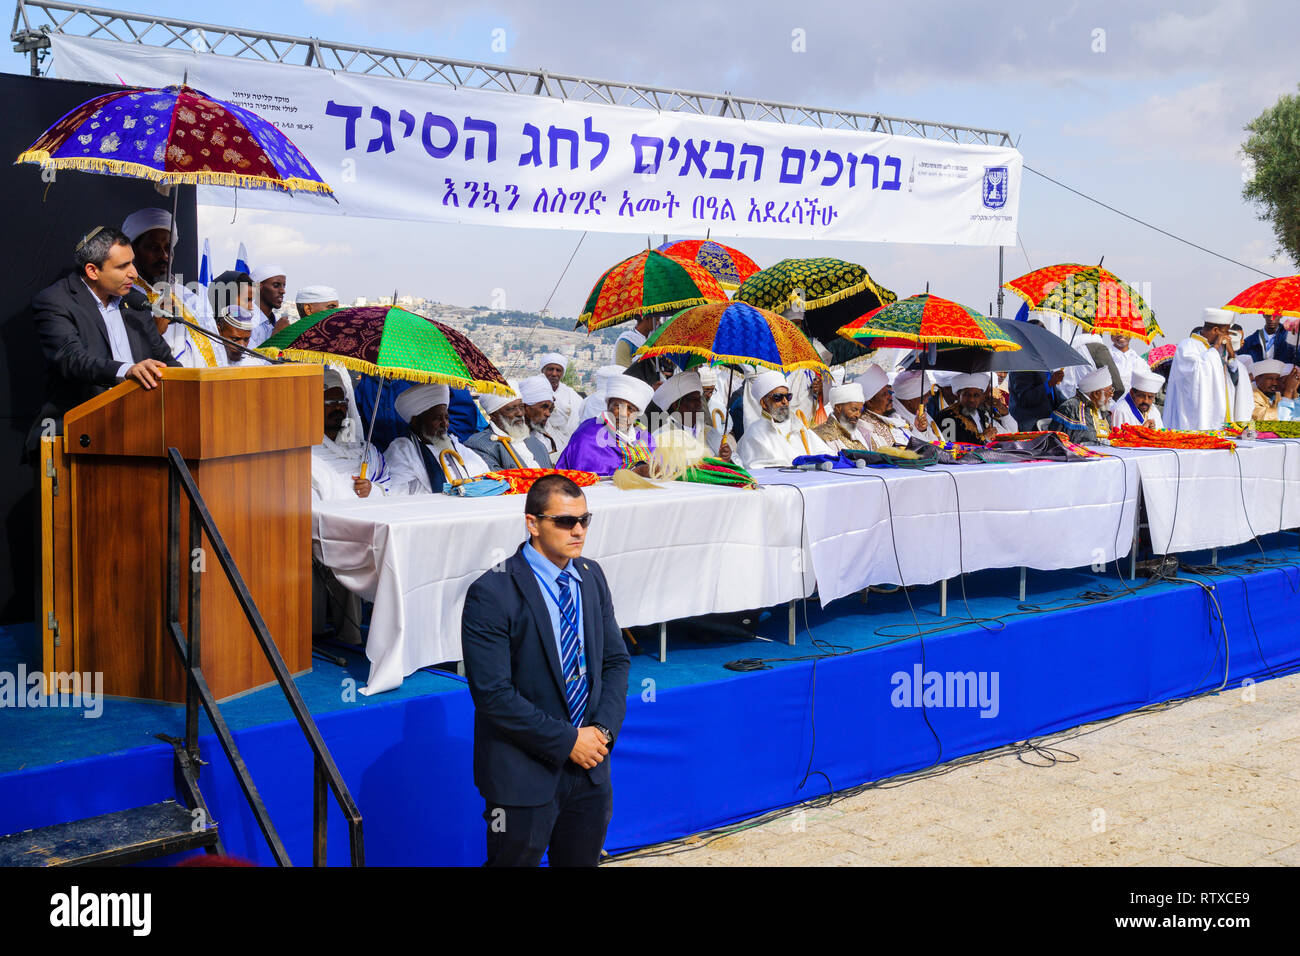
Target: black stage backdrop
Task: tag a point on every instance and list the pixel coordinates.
(43, 221)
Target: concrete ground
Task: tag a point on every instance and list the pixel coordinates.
(1211, 782)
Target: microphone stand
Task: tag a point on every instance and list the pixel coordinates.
(216, 337)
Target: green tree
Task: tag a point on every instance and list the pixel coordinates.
(1273, 149)
(570, 376)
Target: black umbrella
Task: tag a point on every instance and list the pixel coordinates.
(1040, 351)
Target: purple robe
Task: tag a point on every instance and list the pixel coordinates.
(595, 447)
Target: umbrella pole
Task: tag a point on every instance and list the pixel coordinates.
(373, 413)
(726, 408)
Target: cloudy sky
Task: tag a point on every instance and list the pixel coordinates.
(1139, 104)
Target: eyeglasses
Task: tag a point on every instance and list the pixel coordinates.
(568, 522)
(781, 398)
(336, 401)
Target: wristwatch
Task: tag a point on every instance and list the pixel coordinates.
(609, 738)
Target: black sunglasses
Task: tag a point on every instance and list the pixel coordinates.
(781, 398)
(567, 522)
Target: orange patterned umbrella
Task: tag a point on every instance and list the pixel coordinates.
(1091, 297)
(1270, 297)
(645, 284)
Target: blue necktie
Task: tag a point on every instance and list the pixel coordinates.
(575, 682)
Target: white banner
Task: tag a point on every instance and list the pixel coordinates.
(402, 149)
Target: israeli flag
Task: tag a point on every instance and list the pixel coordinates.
(205, 265)
(241, 260)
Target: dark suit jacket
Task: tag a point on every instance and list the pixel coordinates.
(522, 731)
(78, 361)
(1253, 345)
(496, 456)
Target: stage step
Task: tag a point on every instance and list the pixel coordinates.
(113, 839)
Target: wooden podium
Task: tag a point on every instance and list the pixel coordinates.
(246, 435)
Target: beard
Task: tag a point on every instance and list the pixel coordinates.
(780, 413)
(516, 432)
(848, 423)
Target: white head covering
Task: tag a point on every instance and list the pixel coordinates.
(234, 321)
(907, 386)
(270, 271)
(551, 358)
(1217, 317)
(708, 376)
(493, 403)
(420, 398)
(843, 394)
(606, 372)
(681, 384)
(765, 382)
(978, 380)
(315, 293)
(333, 379)
(872, 381)
(1268, 366)
(1095, 380)
(142, 220)
(1145, 380)
(1248, 363)
(630, 389)
(536, 389)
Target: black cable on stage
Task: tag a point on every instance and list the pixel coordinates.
(1141, 222)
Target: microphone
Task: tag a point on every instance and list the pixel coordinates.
(158, 309)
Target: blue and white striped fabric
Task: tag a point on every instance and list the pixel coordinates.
(575, 681)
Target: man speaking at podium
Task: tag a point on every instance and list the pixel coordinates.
(90, 337)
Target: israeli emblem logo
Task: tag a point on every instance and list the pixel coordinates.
(995, 186)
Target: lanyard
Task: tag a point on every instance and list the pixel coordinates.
(577, 610)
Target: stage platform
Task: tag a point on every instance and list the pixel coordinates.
(702, 745)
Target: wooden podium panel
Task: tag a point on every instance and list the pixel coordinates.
(246, 434)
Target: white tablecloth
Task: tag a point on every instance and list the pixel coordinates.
(950, 518)
(1214, 499)
(674, 552)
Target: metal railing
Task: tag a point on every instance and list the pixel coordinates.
(188, 646)
(35, 20)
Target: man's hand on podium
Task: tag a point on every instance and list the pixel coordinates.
(147, 372)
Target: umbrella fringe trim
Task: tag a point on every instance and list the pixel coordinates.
(1244, 310)
(117, 167)
(994, 345)
(656, 351)
(405, 374)
(642, 310)
(845, 293)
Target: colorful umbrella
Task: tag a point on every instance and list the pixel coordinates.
(1270, 297)
(927, 320)
(176, 135)
(833, 292)
(388, 342)
(1093, 298)
(734, 332)
(645, 284)
(729, 266)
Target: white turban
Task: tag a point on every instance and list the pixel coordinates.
(764, 383)
(1218, 317)
(606, 372)
(334, 379)
(680, 385)
(552, 358)
(235, 322)
(1268, 366)
(872, 381)
(1095, 380)
(315, 293)
(420, 398)
(143, 220)
(262, 273)
(493, 403)
(629, 389)
(536, 389)
(907, 386)
(979, 380)
(843, 394)
(1146, 381)
(708, 376)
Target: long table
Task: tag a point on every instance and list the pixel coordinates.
(896, 526)
(667, 553)
(684, 550)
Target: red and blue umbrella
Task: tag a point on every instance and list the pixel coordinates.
(175, 136)
(729, 266)
(734, 333)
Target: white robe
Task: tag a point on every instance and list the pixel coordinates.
(334, 463)
(566, 417)
(1200, 395)
(769, 444)
(406, 464)
(1123, 414)
(908, 419)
